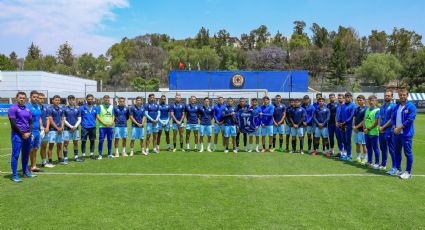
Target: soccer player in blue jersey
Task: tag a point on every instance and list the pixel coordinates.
(164, 122)
(152, 115)
(256, 110)
(37, 125)
(316, 104)
(120, 132)
(247, 124)
(207, 114)
(105, 118)
(229, 122)
(279, 116)
(21, 123)
(55, 114)
(385, 132)
(242, 105)
(44, 132)
(266, 115)
(338, 130)
(345, 121)
(218, 121)
(321, 119)
(178, 114)
(72, 122)
(138, 119)
(332, 106)
(308, 123)
(288, 124)
(403, 124)
(88, 125)
(192, 122)
(359, 136)
(297, 118)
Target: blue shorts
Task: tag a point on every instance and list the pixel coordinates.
(55, 137)
(71, 136)
(205, 130)
(193, 127)
(267, 130)
(166, 127)
(257, 132)
(287, 129)
(137, 133)
(120, 132)
(45, 138)
(279, 129)
(309, 129)
(230, 131)
(151, 128)
(323, 132)
(218, 128)
(359, 138)
(35, 139)
(180, 127)
(297, 132)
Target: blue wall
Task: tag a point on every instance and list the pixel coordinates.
(273, 81)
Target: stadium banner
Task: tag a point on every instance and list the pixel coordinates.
(4, 108)
(273, 81)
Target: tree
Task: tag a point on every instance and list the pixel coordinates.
(49, 63)
(377, 41)
(299, 28)
(34, 52)
(14, 59)
(222, 38)
(33, 59)
(299, 39)
(414, 74)
(272, 58)
(6, 63)
(65, 55)
(403, 43)
(280, 41)
(379, 68)
(320, 36)
(203, 37)
(261, 36)
(338, 64)
(138, 84)
(86, 65)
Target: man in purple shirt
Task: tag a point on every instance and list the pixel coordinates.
(20, 118)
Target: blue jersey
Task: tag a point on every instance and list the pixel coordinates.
(247, 121)
(206, 115)
(332, 108)
(408, 116)
(44, 115)
(151, 111)
(56, 113)
(279, 111)
(121, 116)
(137, 113)
(71, 115)
(165, 111)
(359, 116)
(386, 113)
(322, 115)
(178, 110)
(347, 113)
(192, 112)
(88, 116)
(298, 115)
(257, 119)
(229, 120)
(288, 115)
(309, 112)
(267, 114)
(218, 112)
(36, 114)
(239, 110)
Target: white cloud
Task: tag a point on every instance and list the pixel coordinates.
(50, 23)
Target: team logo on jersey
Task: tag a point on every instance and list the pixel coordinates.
(238, 80)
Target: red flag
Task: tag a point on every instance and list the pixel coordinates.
(181, 66)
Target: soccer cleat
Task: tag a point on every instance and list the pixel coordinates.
(92, 157)
(257, 149)
(405, 176)
(364, 161)
(111, 156)
(359, 159)
(169, 149)
(49, 165)
(250, 151)
(29, 175)
(156, 151)
(339, 155)
(396, 173)
(209, 150)
(226, 151)
(131, 153)
(77, 159)
(383, 168)
(328, 154)
(16, 179)
(314, 153)
(183, 150)
(124, 154)
(99, 157)
(235, 151)
(392, 171)
(292, 151)
(244, 149)
(63, 162)
(263, 150)
(302, 152)
(344, 158)
(201, 150)
(117, 155)
(271, 150)
(376, 166)
(174, 150)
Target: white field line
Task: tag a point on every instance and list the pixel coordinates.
(210, 175)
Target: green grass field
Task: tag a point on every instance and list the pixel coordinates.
(213, 191)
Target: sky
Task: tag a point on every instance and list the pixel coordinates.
(94, 25)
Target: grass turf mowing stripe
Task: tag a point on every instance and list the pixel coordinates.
(213, 175)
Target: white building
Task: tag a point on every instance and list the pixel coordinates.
(50, 83)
